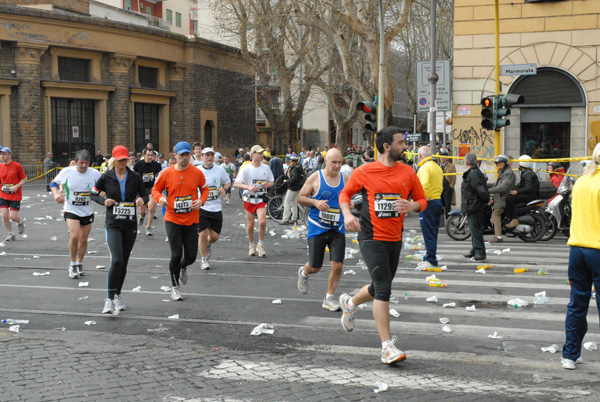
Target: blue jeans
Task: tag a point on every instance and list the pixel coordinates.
(583, 271)
(430, 226)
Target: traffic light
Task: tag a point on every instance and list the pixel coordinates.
(502, 109)
(370, 110)
(487, 112)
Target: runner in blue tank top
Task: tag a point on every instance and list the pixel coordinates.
(325, 225)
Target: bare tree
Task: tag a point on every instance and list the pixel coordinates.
(353, 27)
(272, 47)
(413, 44)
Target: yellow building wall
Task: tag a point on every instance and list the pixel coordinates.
(565, 35)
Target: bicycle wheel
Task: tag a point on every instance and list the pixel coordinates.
(275, 208)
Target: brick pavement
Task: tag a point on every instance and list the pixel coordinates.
(94, 366)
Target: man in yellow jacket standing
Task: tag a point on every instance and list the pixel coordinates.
(431, 177)
(584, 269)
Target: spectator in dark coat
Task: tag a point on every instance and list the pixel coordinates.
(474, 198)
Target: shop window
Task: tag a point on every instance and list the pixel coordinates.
(148, 77)
(546, 140)
(72, 69)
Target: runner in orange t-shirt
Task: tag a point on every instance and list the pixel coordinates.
(12, 177)
(387, 186)
(182, 183)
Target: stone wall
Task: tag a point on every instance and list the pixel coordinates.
(225, 92)
(232, 96)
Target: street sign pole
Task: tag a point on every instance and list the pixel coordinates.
(433, 78)
(381, 91)
(497, 142)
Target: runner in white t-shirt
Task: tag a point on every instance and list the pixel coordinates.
(196, 159)
(255, 179)
(77, 182)
(229, 168)
(211, 217)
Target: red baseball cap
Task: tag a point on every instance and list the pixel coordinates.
(120, 152)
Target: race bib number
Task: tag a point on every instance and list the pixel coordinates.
(259, 184)
(6, 187)
(124, 210)
(253, 200)
(213, 193)
(331, 217)
(384, 205)
(183, 204)
(148, 177)
(81, 198)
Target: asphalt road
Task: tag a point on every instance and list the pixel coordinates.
(208, 353)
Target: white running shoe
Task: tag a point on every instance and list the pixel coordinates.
(183, 276)
(109, 307)
(252, 250)
(11, 237)
(21, 226)
(73, 272)
(148, 232)
(391, 354)
(331, 304)
(302, 282)
(205, 265)
(80, 270)
(261, 251)
(347, 314)
(569, 364)
(176, 295)
(119, 306)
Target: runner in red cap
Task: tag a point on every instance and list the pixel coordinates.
(124, 190)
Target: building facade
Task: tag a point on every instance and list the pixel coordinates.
(561, 113)
(69, 81)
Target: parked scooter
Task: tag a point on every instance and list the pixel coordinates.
(559, 208)
(531, 227)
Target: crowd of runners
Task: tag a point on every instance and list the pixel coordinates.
(190, 188)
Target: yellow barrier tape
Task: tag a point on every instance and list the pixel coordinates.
(495, 171)
(574, 159)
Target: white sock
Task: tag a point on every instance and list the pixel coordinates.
(204, 259)
(385, 344)
(78, 263)
(329, 296)
(11, 233)
(251, 244)
(260, 242)
(351, 305)
(73, 263)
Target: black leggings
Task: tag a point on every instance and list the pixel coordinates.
(120, 243)
(382, 259)
(184, 248)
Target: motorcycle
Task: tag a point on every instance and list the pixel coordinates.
(559, 209)
(531, 227)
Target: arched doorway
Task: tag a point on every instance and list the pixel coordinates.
(550, 121)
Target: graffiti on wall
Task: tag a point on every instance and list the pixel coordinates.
(482, 141)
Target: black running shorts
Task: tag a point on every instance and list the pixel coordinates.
(336, 242)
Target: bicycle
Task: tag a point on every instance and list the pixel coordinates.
(275, 210)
